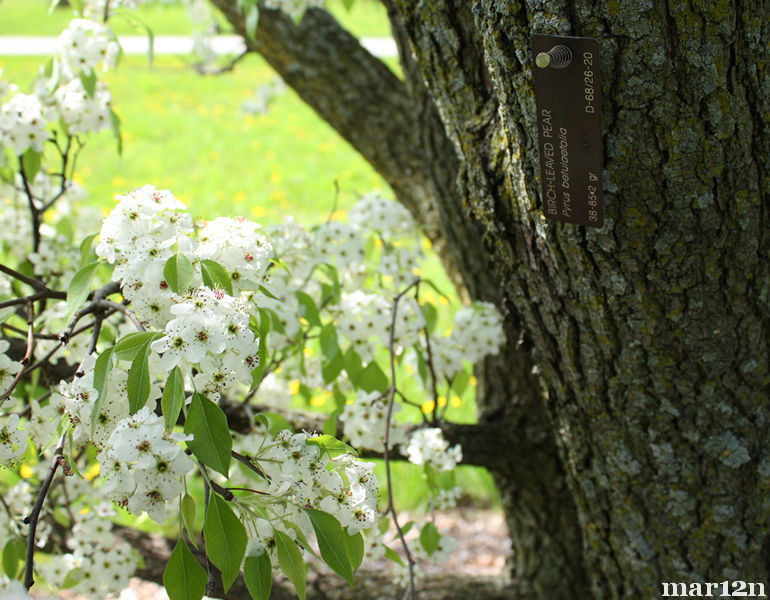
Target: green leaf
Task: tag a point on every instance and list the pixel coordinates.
(274, 318)
(348, 4)
(225, 539)
(311, 310)
(353, 365)
(407, 527)
(102, 369)
(86, 252)
(429, 538)
(173, 398)
(30, 162)
(330, 424)
(79, 288)
(212, 443)
(74, 577)
(258, 575)
(422, 365)
(332, 543)
(13, 553)
(431, 316)
(184, 578)
(188, 515)
(115, 121)
(138, 383)
(355, 548)
(372, 379)
(277, 422)
(460, 382)
(215, 275)
(89, 83)
(331, 368)
(291, 562)
(432, 477)
(331, 445)
(267, 292)
(391, 554)
(178, 273)
(328, 339)
(127, 347)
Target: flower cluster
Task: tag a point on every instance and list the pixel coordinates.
(78, 397)
(365, 421)
(387, 217)
(13, 441)
(8, 368)
(340, 244)
(84, 45)
(362, 317)
(307, 476)
(477, 333)
(83, 112)
(240, 247)
(138, 236)
(428, 446)
(99, 9)
(12, 589)
(210, 329)
(104, 561)
(23, 122)
(143, 465)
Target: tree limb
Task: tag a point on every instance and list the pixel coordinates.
(481, 442)
(353, 91)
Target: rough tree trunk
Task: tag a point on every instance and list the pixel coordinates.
(644, 456)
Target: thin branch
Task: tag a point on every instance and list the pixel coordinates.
(38, 335)
(33, 210)
(411, 592)
(42, 295)
(247, 460)
(32, 519)
(30, 281)
(27, 355)
(63, 186)
(200, 67)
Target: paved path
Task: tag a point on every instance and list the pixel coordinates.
(29, 45)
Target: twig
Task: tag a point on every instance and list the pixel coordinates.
(246, 460)
(244, 489)
(200, 67)
(30, 281)
(42, 295)
(120, 308)
(391, 509)
(32, 519)
(34, 212)
(27, 355)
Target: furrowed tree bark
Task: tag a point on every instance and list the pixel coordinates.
(651, 334)
(396, 126)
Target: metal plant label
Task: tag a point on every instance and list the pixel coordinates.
(568, 97)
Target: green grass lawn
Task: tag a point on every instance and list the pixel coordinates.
(367, 18)
(188, 133)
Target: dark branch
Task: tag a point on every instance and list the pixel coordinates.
(351, 89)
(481, 443)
